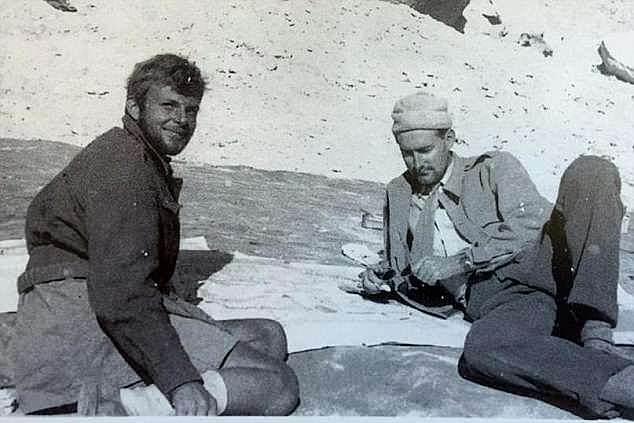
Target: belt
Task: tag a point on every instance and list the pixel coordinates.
(51, 272)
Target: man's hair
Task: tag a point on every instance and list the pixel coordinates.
(165, 69)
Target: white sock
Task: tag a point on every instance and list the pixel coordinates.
(215, 385)
(145, 401)
(149, 401)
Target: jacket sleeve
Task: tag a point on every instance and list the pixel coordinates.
(387, 250)
(393, 252)
(122, 223)
(522, 212)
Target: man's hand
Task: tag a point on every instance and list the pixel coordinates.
(432, 269)
(373, 279)
(192, 399)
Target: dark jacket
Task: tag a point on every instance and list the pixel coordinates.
(111, 216)
(491, 201)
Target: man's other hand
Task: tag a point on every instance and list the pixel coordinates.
(192, 399)
(373, 282)
(432, 269)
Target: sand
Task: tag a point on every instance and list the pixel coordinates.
(308, 85)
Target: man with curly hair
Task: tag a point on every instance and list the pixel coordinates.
(97, 310)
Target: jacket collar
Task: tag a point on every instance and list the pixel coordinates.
(453, 185)
(133, 128)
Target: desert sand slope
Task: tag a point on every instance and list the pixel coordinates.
(308, 85)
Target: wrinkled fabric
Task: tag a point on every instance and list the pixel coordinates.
(511, 347)
(446, 240)
(576, 257)
(61, 348)
(491, 201)
(525, 335)
(111, 216)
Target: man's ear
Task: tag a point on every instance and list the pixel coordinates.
(450, 137)
(132, 108)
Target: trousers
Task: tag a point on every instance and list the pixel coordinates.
(61, 348)
(524, 337)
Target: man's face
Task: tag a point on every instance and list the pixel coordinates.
(168, 119)
(426, 153)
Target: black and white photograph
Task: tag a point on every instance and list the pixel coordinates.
(342, 209)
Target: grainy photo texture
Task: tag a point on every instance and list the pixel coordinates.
(317, 208)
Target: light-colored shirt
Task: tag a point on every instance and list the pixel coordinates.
(490, 199)
(447, 240)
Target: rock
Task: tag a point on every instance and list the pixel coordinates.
(62, 5)
(493, 19)
(448, 12)
(482, 17)
(407, 381)
(617, 56)
(535, 40)
(8, 402)
(292, 215)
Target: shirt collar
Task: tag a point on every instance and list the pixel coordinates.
(133, 128)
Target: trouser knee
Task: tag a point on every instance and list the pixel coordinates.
(476, 359)
(592, 171)
(273, 331)
(272, 338)
(287, 392)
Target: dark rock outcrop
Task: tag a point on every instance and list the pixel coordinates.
(448, 12)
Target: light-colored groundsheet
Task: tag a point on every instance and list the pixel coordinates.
(13, 258)
(306, 299)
